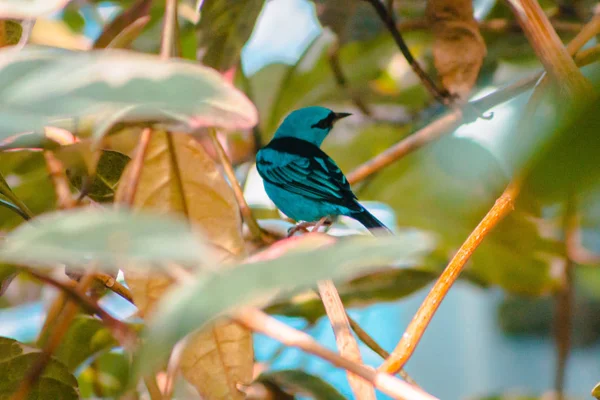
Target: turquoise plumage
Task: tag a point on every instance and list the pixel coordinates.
(302, 181)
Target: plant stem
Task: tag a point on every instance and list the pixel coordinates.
(407, 345)
(255, 230)
(260, 322)
(59, 179)
(347, 345)
(132, 179)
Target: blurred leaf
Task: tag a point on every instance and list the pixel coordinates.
(6, 191)
(522, 316)
(108, 237)
(111, 165)
(56, 33)
(566, 162)
(29, 9)
(27, 173)
(10, 32)
(350, 21)
(179, 177)
(301, 383)
(378, 287)
(199, 302)
(106, 376)
(107, 81)
(446, 189)
(86, 336)
(280, 88)
(73, 18)
(596, 391)
(122, 22)
(16, 360)
(7, 274)
(458, 49)
(225, 27)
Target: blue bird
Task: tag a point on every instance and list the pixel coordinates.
(303, 181)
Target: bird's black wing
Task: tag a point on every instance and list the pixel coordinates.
(308, 171)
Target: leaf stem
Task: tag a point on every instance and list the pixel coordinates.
(137, 164)
(169, 42)
(255, 230)
(440, 94)
(411, 337)
(260, 322)
(347, 345)
(60, 181)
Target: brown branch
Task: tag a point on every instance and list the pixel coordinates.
(405, 348)
(440, 94)
(549, 48)
(153, 389)
(347, 345)
(132, 179)
(255, 231)
(373, 345)
(564, 299)
(59, 179)
(260, 322)
(334, 62)
(119, 329)
(496, 25)
(112, 284)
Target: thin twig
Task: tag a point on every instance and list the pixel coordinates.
(54, 340)
(168, 46)
(440, 94)
(347, 345)
(153, 389)
(340, 78)
(373, 345)
(255, 230)
(112, 284)
(549, 48)
(503, 206)
(564, 298)
(260, 322)
(132, 179)
(173, 367)
(119, 329)
(60, 181)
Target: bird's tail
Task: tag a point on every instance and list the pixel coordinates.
(370, 222)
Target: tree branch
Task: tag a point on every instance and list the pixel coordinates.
(260, 322)
(405, 348)
(347, 345)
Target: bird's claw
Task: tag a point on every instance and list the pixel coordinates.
(303, 226)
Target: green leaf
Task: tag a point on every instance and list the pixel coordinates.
(189, 307)
(106, 81)
(7, 274)
(11, 32)
(29, 9)
(128, 35)
(225, 27)
(107, 237)
(16, 360)
(300, 383)
(73, 18)
(377, 287)
(128, 20)
(107, 376)
(86, 336)
(596, 391)
(19, 206)
(108, 172)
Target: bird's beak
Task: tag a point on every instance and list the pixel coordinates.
(339, 116)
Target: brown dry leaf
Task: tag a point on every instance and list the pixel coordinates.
(178, 176)
(458, 48)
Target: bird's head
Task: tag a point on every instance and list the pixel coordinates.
(310, 123)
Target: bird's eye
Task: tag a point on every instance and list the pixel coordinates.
(325, 123)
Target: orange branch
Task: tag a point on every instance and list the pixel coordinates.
(407, 345)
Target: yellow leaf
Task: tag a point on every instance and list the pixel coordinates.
(458, 48)
(178, 176)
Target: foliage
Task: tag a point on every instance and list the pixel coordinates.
(106, 166)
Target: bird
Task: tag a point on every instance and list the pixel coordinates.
(301, 179)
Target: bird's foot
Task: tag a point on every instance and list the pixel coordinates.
(304, 226)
